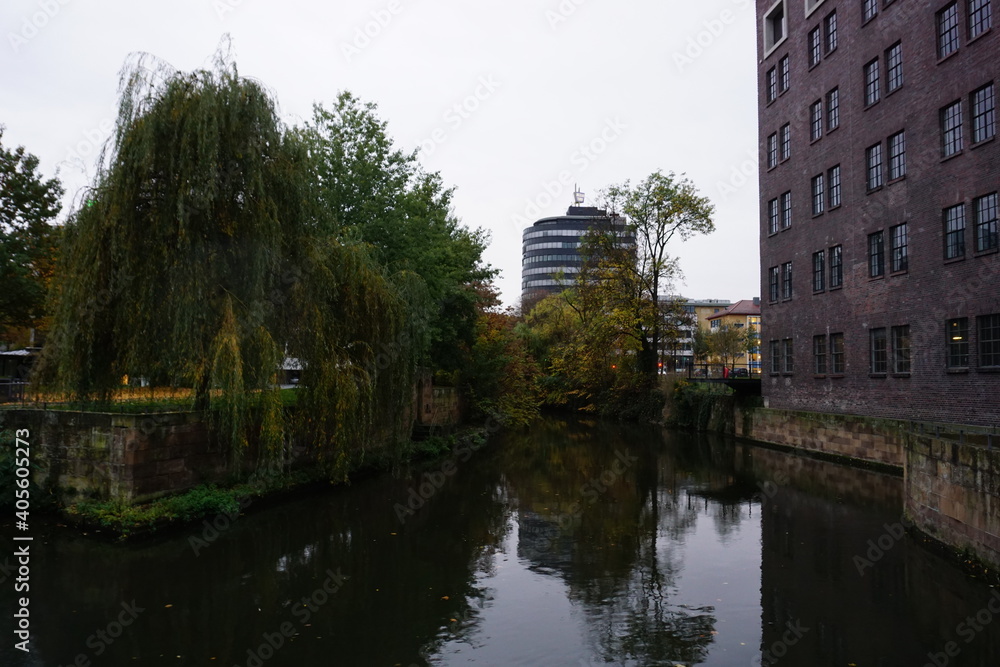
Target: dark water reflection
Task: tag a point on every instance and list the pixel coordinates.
(569, 544)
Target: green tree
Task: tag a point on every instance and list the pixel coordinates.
(201, 260)
(28, 239)
(728, 343)
(379, 195)
(701, 347)
(657, 209)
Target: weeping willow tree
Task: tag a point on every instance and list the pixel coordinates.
(199, 260)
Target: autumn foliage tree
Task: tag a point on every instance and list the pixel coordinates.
(657, 210)
(599, 342)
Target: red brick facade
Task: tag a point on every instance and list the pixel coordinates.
(930, 290)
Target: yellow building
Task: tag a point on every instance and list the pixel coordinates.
(743, 313)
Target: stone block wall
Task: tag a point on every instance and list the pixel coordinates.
(951, 473)
(953, 492)
(850, 436)
(133, 458)
(139, 457)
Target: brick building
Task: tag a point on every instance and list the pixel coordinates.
(880, 169)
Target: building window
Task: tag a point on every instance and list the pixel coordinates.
(954, 231)
(989, 340)
(787, 355)
(897, 248)
(786, 141)
(775, 27)
(980, 17)
(815, 120)
(786, 280)
(833, 179)
(983, 114)
(830, 31)
(876, 254)
(869, 8)
(772, 85)
(951, 128)
(814, 47)
(957, 332)
(773, 277)
(786, 210)
(818, 194)
(775, 357)
(894, 67)
(897, 155)
(878, 355)
(871, 83)
(836, 266)
(783, 75)
(837, 365)
(985, 209)
(947, 30)
(832, 109)
(819, 271)
(873, 158)
(901, 349)
(772, 151)
(772, 216)
(819, 355)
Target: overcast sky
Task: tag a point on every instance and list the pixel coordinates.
(513, 101)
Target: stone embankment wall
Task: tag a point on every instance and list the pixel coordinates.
(139, 457)
(847, 436)
(79, 455)
(953, 491)
(951, 472)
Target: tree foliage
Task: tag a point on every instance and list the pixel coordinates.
(502, 377)
(379, 195)
(201, 259)
(728, 343)
(598, 343)
(28, 240)
(657, 209)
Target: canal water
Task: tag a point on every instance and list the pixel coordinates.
(570, 543)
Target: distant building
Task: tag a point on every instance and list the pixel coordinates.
(879, 180)
(550, 257)
(742, 314)
(678, 353)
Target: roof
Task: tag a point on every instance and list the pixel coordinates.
(741, 307)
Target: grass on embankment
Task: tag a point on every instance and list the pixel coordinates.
(123, 520)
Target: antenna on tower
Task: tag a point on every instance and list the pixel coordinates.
(578, 196)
